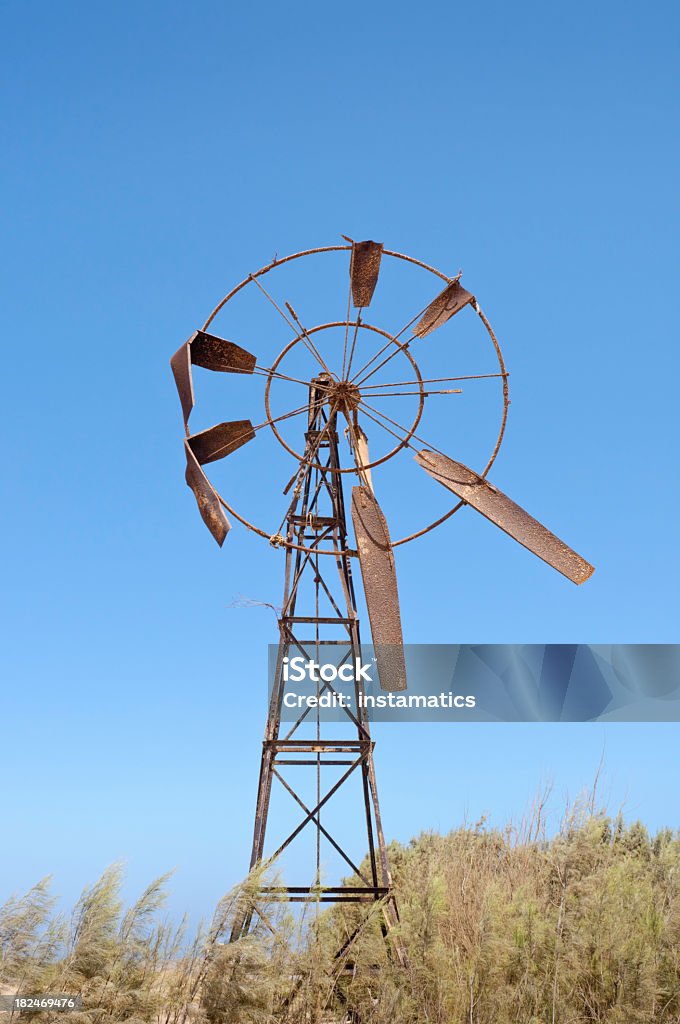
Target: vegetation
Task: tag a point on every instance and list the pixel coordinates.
(501, 927)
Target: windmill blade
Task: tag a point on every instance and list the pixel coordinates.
(220, 440)
(447, 304)
(364, 268)
(510, 517)
(376, 560)
(359, 445)
(218, 354)
(212, 353)
(181, 368)
(208, 503)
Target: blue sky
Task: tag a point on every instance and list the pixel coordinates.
(154, 155)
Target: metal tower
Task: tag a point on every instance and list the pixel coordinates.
(319, 607)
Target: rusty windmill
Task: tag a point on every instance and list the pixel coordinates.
(352, 378)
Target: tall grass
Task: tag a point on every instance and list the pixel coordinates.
(502, 926)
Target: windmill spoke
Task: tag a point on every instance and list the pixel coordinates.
(405, 430)
(354, 341)
(400, 348)
(309, 341)
(285, 416)
(344, 347)
(393, 339)
(436, 380)
(423, 394)
(305, 336)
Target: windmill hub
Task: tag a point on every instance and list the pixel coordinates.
(345, 395)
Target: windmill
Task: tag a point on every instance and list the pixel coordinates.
(347, 373)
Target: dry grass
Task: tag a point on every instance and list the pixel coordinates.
(502, 927)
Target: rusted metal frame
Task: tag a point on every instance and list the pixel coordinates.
(319, 826)
(369, 898)
(369, 817)
(298, 571)
(322, 803)
(358, 889)
(333, 492)
(323, 620)
(499, 439)
(326, 686)
(275, 746)
(242, 925)
(300, 560)
(337, 497)
(301, 761)
(331, 599)
(447, 515)
(321, 520)
(321, 440)
(318, 712)
(345, 572)
(339, 745)
(311, 252)
(390, 911)
(271, 732)
(262, 805)
(256, 909)
(329, 429)
(301, 457)
(326, 643)
(440, 275)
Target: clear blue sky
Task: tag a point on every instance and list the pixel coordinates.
(155, 153)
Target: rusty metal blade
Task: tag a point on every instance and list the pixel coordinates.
(220, 440)
(208, 503)
(181, 368)
(359, 445)
(376, 560)
(364, 268)
(502, 511)
(447, 304)
(213, 353)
